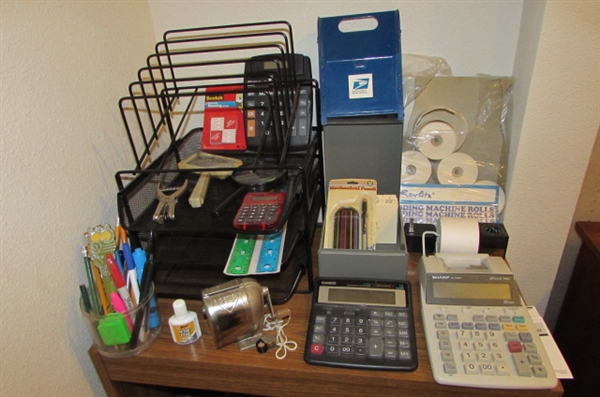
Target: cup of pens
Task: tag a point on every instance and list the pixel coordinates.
(124, 330)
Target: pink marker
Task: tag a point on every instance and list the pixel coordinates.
(119, 307)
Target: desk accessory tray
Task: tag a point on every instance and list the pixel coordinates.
(163, 114)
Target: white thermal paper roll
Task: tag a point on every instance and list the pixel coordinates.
(436, 140)
(458, 235)
(457, 169)
(416, 168)
(502, 196)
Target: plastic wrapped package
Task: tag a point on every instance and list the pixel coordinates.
(455, 150)
(417, 72)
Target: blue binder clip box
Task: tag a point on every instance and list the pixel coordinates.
(360, 66)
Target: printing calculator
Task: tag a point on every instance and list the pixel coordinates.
(365, 324)
(478, 331)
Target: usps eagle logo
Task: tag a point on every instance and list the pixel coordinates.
(360, 86)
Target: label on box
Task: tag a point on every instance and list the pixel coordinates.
(427, 203)
(360, 86)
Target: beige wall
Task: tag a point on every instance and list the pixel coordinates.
(64, 66)
(554, 124)
(588, 209)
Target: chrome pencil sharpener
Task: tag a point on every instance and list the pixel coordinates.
(235, 311)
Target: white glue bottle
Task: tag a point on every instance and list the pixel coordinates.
(184, 324)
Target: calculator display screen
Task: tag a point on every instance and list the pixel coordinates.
(362, 296)
(272, 65)
(456, 290)
(472, 289)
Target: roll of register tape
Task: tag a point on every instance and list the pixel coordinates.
(458, 235)
(436, 140)
(457, 169)
(502, 196)
(416, 168)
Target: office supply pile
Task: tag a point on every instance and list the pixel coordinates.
(237, 153)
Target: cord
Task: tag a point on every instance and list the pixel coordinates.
(283, 344)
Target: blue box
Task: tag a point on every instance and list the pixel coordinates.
(360, 70)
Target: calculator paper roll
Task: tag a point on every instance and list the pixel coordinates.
(436, 140)
(501, 195)
(458, 235)
(457, 169)
(416, 168)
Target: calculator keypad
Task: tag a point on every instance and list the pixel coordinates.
(489, 347)
(257, 105)
(259, 214)
(362, 337)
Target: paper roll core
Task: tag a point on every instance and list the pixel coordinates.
(457, 169)
(437, 139)
(416, 168)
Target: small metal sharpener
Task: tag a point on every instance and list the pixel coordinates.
(235, 311)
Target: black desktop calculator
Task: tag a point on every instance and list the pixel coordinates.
(267, 68)
(364, 324)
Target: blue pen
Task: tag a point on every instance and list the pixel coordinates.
(129, 262)
(139, 257)
(119, 260)
(130, 274)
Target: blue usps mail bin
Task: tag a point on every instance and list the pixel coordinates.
(360, 70)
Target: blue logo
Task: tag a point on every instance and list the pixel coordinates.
(360, 84)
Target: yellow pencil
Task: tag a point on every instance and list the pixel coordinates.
(100, 289)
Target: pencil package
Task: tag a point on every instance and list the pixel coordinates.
(350, 216)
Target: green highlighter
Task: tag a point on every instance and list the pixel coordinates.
(114, 330)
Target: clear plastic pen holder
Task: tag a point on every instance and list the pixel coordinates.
(125, 334)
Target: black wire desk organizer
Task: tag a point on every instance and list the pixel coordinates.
(163, 116)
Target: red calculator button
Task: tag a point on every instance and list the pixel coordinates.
(316, 349)
(515, 347)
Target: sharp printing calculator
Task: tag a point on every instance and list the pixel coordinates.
(478, 331)
(364, 324)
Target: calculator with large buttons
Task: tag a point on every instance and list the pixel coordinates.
(362, 324)
(262, 73)
(478, 331)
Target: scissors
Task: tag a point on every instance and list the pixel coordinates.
(167, 202)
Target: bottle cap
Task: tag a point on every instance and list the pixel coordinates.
(180, 308)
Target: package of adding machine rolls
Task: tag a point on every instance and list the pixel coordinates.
(455, 150)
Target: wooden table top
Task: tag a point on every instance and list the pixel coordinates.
(589, 232)
(201, 366)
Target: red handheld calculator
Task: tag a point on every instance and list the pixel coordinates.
(259, 211)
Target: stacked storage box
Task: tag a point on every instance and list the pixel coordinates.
(362, 114)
